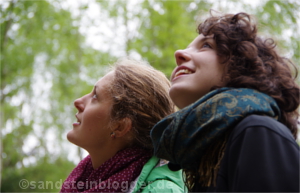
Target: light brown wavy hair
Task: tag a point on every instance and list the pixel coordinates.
(249, 62)
(140, 93)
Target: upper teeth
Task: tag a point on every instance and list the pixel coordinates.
(183, 71)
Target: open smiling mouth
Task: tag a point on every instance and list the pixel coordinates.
(182, 72)
(78, 122)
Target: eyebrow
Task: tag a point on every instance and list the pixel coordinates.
(95, 88)
(205, 38)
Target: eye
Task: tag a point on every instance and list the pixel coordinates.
(206, 45)
(94, 95)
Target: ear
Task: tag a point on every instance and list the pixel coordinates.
(124, 126)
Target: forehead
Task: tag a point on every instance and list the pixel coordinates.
(106, 80)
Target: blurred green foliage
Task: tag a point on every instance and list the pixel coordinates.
(46, 63)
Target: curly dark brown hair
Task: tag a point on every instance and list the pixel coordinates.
(249, 62)
(252, 62)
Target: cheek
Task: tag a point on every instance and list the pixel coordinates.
(219, 72)
(97, 119)
(91, 115)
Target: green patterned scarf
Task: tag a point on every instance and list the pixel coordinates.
(182, 137)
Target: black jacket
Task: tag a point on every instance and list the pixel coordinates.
(261, 156)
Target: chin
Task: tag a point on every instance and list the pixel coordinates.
(183, 96)
(70, 137)
(173, 96)
(178, 102)
(181, 106)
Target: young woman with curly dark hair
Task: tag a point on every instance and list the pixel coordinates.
(237, 125)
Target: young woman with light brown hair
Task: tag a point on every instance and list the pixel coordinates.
(113, 126)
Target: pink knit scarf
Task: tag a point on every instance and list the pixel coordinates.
(114, 175)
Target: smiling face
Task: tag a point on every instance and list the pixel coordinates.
(198, 70)
(92, 129)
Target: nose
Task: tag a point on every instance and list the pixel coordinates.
(78, 103)
(181, 56)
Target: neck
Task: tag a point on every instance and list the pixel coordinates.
(102, 154)
(98, 157)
